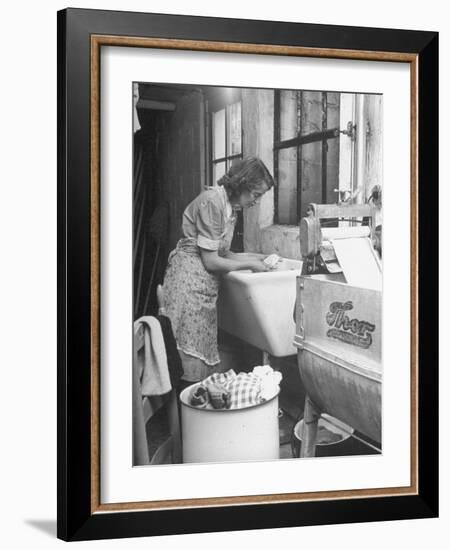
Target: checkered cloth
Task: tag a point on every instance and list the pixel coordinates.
(244, 389)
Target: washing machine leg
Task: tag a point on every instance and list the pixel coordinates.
(311, 417)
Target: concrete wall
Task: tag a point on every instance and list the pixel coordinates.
(257, 124)
(260, 233)
(287, 158)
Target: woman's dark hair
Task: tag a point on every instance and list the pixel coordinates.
(245, 175)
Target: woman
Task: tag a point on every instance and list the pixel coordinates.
(191, 281)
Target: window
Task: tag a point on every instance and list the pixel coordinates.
(306, 151)
(226, 130)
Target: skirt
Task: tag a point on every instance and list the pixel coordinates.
(196, 370)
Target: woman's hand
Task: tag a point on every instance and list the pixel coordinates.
(258, 266)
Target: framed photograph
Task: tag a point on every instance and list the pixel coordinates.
(247, 274)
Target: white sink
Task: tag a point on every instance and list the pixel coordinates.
(258, 307)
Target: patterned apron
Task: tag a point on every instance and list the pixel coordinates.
(190, 297)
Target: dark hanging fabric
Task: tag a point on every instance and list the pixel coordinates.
(173, 357)
(150, 217)
(139, 240)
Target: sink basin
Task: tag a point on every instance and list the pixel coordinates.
(258, 307)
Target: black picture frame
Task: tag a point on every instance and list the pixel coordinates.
(78, 517)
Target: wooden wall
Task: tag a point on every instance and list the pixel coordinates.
(174, 173)
(180, 167)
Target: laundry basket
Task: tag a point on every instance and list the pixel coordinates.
(225, 435)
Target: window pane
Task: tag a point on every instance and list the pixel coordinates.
(312, 114)
(219, 134)
(234, 129)
(231, 162)
(287, 186)
(218, 171)
(311, 161)
(288, 114)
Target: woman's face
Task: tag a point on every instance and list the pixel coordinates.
(250, 198)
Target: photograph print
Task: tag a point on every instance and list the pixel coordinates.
(257, 274)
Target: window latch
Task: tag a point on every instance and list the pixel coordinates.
(350, 131)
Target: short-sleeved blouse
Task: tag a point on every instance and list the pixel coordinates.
(207, 218)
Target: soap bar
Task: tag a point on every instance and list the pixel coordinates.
(272, 260)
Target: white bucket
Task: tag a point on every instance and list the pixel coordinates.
(224, 435)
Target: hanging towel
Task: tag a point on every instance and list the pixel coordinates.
(173, 357)
(155, 379)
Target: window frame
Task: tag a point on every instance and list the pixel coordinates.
(215, 102)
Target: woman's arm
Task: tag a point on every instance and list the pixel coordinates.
(243, 256)
(218, 264)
